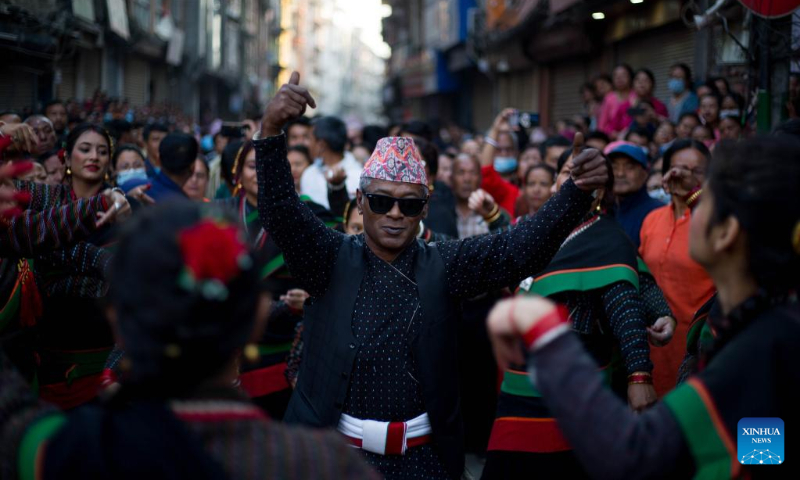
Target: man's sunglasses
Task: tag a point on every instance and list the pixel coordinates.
(381, 204)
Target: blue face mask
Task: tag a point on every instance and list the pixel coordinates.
(132, 174)
(505, 164)
(660, 195)
(676, 86)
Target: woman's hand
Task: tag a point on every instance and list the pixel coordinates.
(118, 210)
(641, 396)
(482, 203)
(680, 182)
(509, 320)
(139, 193)
(661, 332)
(22, 136)
(336, 176)
(295, 298)
(10, 199)
(501, 123)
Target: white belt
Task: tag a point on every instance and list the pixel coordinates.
(386, 438)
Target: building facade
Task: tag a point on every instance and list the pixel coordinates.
(463, 61)
(214, 58)
(343, 72)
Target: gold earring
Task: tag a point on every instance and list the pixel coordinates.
(124, 364)
(251, 352)
(69, 171)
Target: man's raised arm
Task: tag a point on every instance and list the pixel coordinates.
(491, 262)
(309, 247)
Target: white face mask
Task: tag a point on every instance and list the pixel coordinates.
(132, 174)
(660, 195)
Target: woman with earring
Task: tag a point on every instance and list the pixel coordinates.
(35, 232)
(595, 273)
(262, 372)
(745, 232)
(185, 317)
(264, 363)
(73, 339)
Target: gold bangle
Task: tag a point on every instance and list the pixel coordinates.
(493, 218)
(493, 212)
(693, 198)
(640, 382)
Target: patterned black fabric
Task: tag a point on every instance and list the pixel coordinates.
(387, 314)
(473, 266)
(613, 314)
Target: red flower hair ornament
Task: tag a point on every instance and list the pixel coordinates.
(213, 254)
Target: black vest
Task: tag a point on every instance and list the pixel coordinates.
(330, 350)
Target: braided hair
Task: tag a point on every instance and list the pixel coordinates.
(757, 181)
(176, 335)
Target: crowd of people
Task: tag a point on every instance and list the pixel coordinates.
(291, 297)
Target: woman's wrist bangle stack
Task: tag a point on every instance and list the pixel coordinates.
(546, 328)
(493, 216)
(694, 197)
(491, 141)
(640, 378)
(335, 187)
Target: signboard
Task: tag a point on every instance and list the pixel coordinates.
(772, 8)
(503, 15)
(118, 18)
(83, 9)
(175, 47)
(441, 24)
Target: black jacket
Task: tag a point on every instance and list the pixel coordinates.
(331, 348)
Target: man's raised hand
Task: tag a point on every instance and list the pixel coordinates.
(587, 166)
(290, 102)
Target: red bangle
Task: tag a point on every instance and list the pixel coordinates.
(640, 378)
(554, 319)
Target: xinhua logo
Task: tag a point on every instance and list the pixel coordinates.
(760, 441)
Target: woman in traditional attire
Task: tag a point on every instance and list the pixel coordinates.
(73, 338)
(595, 273)
(263, 377)
(27, 235)
(184, 316)
(745, 232)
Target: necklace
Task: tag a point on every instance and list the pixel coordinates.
(581, 228)
(262, 234)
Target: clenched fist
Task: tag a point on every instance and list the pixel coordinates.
(290, 102)
(589, 167)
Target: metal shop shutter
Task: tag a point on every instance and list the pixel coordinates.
(92, 66)
(16, 89)
(520, 90)
(567, 78)
(66, 89)
(136, 86)
(161, 91)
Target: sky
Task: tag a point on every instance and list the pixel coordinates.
(366, 15)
